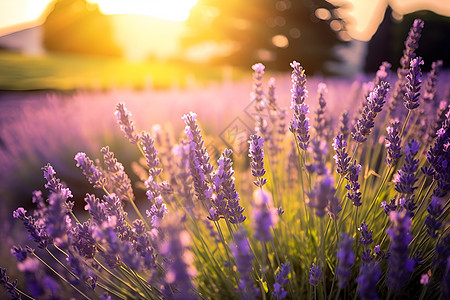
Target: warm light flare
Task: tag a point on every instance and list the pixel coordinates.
(173, 10)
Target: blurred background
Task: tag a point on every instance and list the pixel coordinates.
(99, 44)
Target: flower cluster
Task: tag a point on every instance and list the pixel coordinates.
(195, 241)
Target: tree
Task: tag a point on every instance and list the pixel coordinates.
(76, 26)
(275, 32)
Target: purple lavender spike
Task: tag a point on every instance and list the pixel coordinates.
(393, 144)
(281, 279)
(375, 102)
(412, 94)
(315, 275)
(342, 158)
(366, 236)
(353, 185)
(126, 123)
(93, 175)
(256, 153)
(411, 44)
(299, 123)
(405, 178)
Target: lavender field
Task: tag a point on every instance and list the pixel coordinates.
(276, 187)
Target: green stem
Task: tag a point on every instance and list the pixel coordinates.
(60, 276)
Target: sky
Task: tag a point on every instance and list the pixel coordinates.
(363, 16)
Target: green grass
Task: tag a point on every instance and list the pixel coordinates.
(69, 72)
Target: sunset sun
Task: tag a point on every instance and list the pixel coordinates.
(173, 10)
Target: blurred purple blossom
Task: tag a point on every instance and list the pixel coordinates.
(346, 258)
(315, 275)
(281, 279)
(366, 236)
(240, 249)
(264, 215)
(367, 280)
(400, 265)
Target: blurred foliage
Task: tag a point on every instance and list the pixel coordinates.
(76, 26)
(388, 42)
(255, 27)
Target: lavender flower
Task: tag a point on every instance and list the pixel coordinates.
(400, 266)
(346, 258)
(298, 91)
(344, 127)
(201, 169)
(388, 207)
(126, 123)
(430, 84)
(93, 175)
(21, 253)
(9, 286)
(315, 275)
(353, 185)
(241, 251)
(257, 97)
(54, 184)
(320, 120)
(438, 157)
(367, 280)
(299, 122)
(150, 152)
(226, 199)
(256, 153)
(281, 279)
(382, 73)
(411, 44)
(157, 211)
(36, 232)
(413, 84)
(114, 208)
(435, 210)
(180, 261)
(322, 195)
(264, 215)
(96, 209)
(57, 223)
(120, 182)
(375, 103)
(405, 178)
(81, 270)
(366, 236)
(342, 158)
(393, 144)
(83, 241)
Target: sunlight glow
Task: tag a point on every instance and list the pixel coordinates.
(172, 10)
